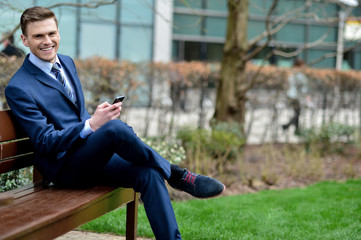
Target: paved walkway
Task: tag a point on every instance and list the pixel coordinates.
(79, 235)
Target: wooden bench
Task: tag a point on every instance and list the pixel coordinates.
(38, 212)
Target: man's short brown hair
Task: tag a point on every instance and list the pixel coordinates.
(35, 14)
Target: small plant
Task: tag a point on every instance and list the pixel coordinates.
(308, 136)
(173, 152)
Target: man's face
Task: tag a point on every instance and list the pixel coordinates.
(42, 37)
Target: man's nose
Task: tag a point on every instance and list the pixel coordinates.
(47, 39)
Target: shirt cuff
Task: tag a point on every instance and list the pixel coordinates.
(86, 130)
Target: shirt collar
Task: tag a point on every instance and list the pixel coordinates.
(43, 65)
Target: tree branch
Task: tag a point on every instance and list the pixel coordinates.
(298, 51)
(333, 54)
(269, 38)
(267, 32)
(280, 21)
(276, 21)
(86, 5)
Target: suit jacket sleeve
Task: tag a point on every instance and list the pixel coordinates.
(46, 138)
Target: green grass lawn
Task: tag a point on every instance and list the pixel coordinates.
(327, 210)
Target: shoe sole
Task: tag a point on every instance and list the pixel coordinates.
(219, 194)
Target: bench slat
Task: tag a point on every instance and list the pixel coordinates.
(26, 190)
(16, 163)
(11, 149)
(12, 130)
(64, 208)
(15, 146)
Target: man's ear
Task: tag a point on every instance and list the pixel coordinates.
(25, 40)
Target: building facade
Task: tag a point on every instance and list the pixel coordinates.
(186, 30)
(199, 29)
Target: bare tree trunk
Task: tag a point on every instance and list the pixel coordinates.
(231, 92)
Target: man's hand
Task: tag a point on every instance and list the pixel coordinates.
(104, 113)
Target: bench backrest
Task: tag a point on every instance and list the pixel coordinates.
(16, 149)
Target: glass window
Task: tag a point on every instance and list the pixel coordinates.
(292, 33)
(347, 61)
(10, 17)
(286, 61)
(97, 40)
(316, 32)
(255, 28)
(185, 24)
(288, 6)
(136, 44)
(260, 57)
(216, 27)
(192, 51)
(105, 13)
(140, 12)
(324, 8)
(218, 5)
(356, 11)
(259, 7)
(357, 60)
(188, 3)
(215, 52)
(175, 51)
(326, 63)
(67, 27)
(10, 14)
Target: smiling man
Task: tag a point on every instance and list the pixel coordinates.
(73, 148)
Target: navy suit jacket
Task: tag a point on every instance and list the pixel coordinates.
(46, 113)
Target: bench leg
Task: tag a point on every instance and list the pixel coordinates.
(132, 218)
(36, 175)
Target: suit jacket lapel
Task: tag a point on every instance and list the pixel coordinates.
(47, 80)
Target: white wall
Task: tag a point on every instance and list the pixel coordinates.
(163, 31)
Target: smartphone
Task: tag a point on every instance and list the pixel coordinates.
(119, 99)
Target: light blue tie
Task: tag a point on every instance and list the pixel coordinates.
(59, 76)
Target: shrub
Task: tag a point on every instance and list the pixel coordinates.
(222, 144)
(8, 66)
(194, 142)
(226, 143)
(15, 179)
(329, 138)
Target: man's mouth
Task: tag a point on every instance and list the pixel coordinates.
(47, 49)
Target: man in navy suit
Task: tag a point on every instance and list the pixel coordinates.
(76, 149)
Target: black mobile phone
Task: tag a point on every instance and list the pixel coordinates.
(119, 99)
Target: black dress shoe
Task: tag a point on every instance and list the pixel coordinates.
(197, 185)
